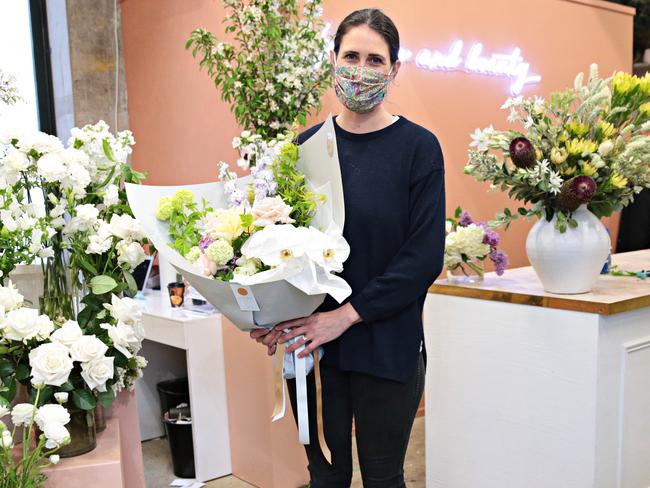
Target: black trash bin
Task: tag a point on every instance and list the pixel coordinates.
(179, 434)
(173, 393)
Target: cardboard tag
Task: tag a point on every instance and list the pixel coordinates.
(245, 298)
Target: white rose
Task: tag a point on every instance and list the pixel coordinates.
(130, 253)
(85, 219)
(6, 440)
(22, 414)
(134, 334)
(51, 414)
(126, 227)
(67, 334)
(10, 299)
(56, 434)
(51, 167)
(271, 210)
(51, 364)
(15, 161)
(125, 310)
(97, 372)
(25, 323)
(87, 348)
(111, 195)
(102, 240)
(3, 411)
(61, 396)
(119, 338)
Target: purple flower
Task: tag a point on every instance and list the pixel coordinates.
(205, 242)
(491, 237)
(500, 260)
(465, 219)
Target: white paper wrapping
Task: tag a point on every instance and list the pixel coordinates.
(280, 296)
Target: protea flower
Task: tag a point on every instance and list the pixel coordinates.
(522, 153)
(575, 192)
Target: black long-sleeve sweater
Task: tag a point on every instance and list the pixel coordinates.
(393, 184)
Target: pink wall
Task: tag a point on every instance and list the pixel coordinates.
(183, 129)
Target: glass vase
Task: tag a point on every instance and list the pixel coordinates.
(56, 301)
(83, 436)
(100, 418)
(467, 272)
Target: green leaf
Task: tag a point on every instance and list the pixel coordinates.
(573, 223)
(6, 368)
(107, 150)
(106, 398)
(102, 284)
(130, 281)
(67, 386)
(458, 211)
(22, 372)
(10, 393)
(83, 399)
(3, 350)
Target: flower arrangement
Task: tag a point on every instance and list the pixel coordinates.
(276, 70)
(468, 243)
(90, 244)
(266, 225)
(51, 419)
(62, 358)
(588, 145)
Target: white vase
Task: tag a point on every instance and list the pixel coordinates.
(569, 262)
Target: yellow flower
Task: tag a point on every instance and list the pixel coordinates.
(576, 147)
(645, 109)
(606, 129)
(618, 181)
(224, 224)
(539, 154)
(577, 129)
(587, 169)
(624, 82)
(644, 83)
(570, 171)
(558, 155)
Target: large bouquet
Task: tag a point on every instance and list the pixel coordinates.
(277, 232)
(585, 146)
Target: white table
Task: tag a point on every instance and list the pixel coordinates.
(527, 389)
(199, 335)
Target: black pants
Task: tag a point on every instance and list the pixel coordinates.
(383, 412)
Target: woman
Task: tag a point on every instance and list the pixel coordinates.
(393, 184)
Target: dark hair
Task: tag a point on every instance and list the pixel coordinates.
(377, 21)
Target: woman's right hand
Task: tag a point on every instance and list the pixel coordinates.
(268, 337)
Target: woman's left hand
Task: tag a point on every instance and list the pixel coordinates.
(318, 328)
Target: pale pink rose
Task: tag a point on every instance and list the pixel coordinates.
(271, 210)
(206, 266)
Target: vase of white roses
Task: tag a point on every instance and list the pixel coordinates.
(582, 156)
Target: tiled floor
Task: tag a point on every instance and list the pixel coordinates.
(158, 468)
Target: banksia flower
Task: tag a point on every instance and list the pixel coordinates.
(575, 192)
(522, 153)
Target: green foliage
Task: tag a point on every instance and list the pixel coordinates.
(293, 187)
(275, 71)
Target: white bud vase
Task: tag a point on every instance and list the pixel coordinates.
(569, 262)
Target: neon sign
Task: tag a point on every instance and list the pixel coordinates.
(507, 65)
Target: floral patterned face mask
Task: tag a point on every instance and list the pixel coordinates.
(360, 88)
